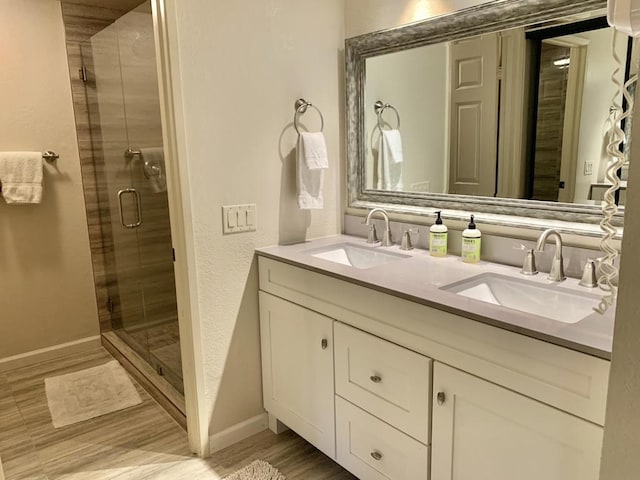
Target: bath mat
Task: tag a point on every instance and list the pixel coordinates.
(89, 393)
(257, 470)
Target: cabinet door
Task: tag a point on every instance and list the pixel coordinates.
(485, 432)
(297, 370)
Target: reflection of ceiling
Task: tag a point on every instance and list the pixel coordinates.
(124, 5)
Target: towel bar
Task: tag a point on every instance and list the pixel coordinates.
(50, 156)
(301, 107)
(380, 107)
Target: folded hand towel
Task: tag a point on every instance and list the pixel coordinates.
(310, 180)
(21, 177)
(394, 143)
(389, 171)
(154, 168)
(315, 150)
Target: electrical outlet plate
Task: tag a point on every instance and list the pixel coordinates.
(588, 168)
(239, 218)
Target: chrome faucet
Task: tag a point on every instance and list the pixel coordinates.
(386, 239)
(557, 265)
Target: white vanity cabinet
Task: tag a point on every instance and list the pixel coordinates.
(401, 390)
(485, 432)
(297, 370)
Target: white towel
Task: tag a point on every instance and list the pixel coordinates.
(315, 150)
(154, 168)
(394, 143)
(21, 177)
(310, 180)
(390, 160)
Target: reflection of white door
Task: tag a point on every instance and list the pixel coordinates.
(474, 116)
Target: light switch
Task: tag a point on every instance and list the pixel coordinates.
(232, 218)
(251, 216)
(588, 168)
(239, 218)
(242, 217)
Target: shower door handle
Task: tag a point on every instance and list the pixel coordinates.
(136, 195)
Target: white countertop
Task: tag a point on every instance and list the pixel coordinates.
(419, 277)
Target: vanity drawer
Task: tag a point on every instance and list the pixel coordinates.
(373, 450)
(389, 381)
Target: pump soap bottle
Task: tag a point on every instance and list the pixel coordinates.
(471, 243)
(438, 238)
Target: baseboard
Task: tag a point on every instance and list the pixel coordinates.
(49, 353)
(238, 432)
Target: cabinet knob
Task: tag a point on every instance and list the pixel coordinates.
(377, 456)
(375, 378)
(441, 397)
(324, 343)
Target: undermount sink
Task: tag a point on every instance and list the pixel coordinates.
(356, 256)
(549, 301)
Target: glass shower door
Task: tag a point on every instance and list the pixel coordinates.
(127, 133)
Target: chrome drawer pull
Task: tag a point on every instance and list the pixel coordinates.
(377, 456)
(441, 398)
(375, 378)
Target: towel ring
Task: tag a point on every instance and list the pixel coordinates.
(380, 107)
(301, 107)
(50, 156)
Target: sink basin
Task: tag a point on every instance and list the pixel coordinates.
(356, 256)
(549, 301)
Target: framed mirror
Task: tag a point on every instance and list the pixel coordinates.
(503, 108)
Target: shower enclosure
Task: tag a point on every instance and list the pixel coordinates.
(128, 172)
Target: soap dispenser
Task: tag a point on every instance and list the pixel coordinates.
(471, 238)
(438, 238)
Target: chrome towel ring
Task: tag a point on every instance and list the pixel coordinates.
(50, 156)
(301, 107)
(380, 107)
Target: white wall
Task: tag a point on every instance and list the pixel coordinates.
(415, 82)
(238, 68)
(364, 16)
(46, 281)
(598, 93)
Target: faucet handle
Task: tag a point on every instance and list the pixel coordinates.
(589, 275)
(529, 264)
(373, 236)
(406, 239)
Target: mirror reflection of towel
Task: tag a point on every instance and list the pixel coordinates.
(390, 159)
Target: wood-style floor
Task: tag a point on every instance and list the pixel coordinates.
(138, 443)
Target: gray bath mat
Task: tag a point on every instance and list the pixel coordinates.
(257, 470)
(89, 393)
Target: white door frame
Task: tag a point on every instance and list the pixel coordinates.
(179, 212)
